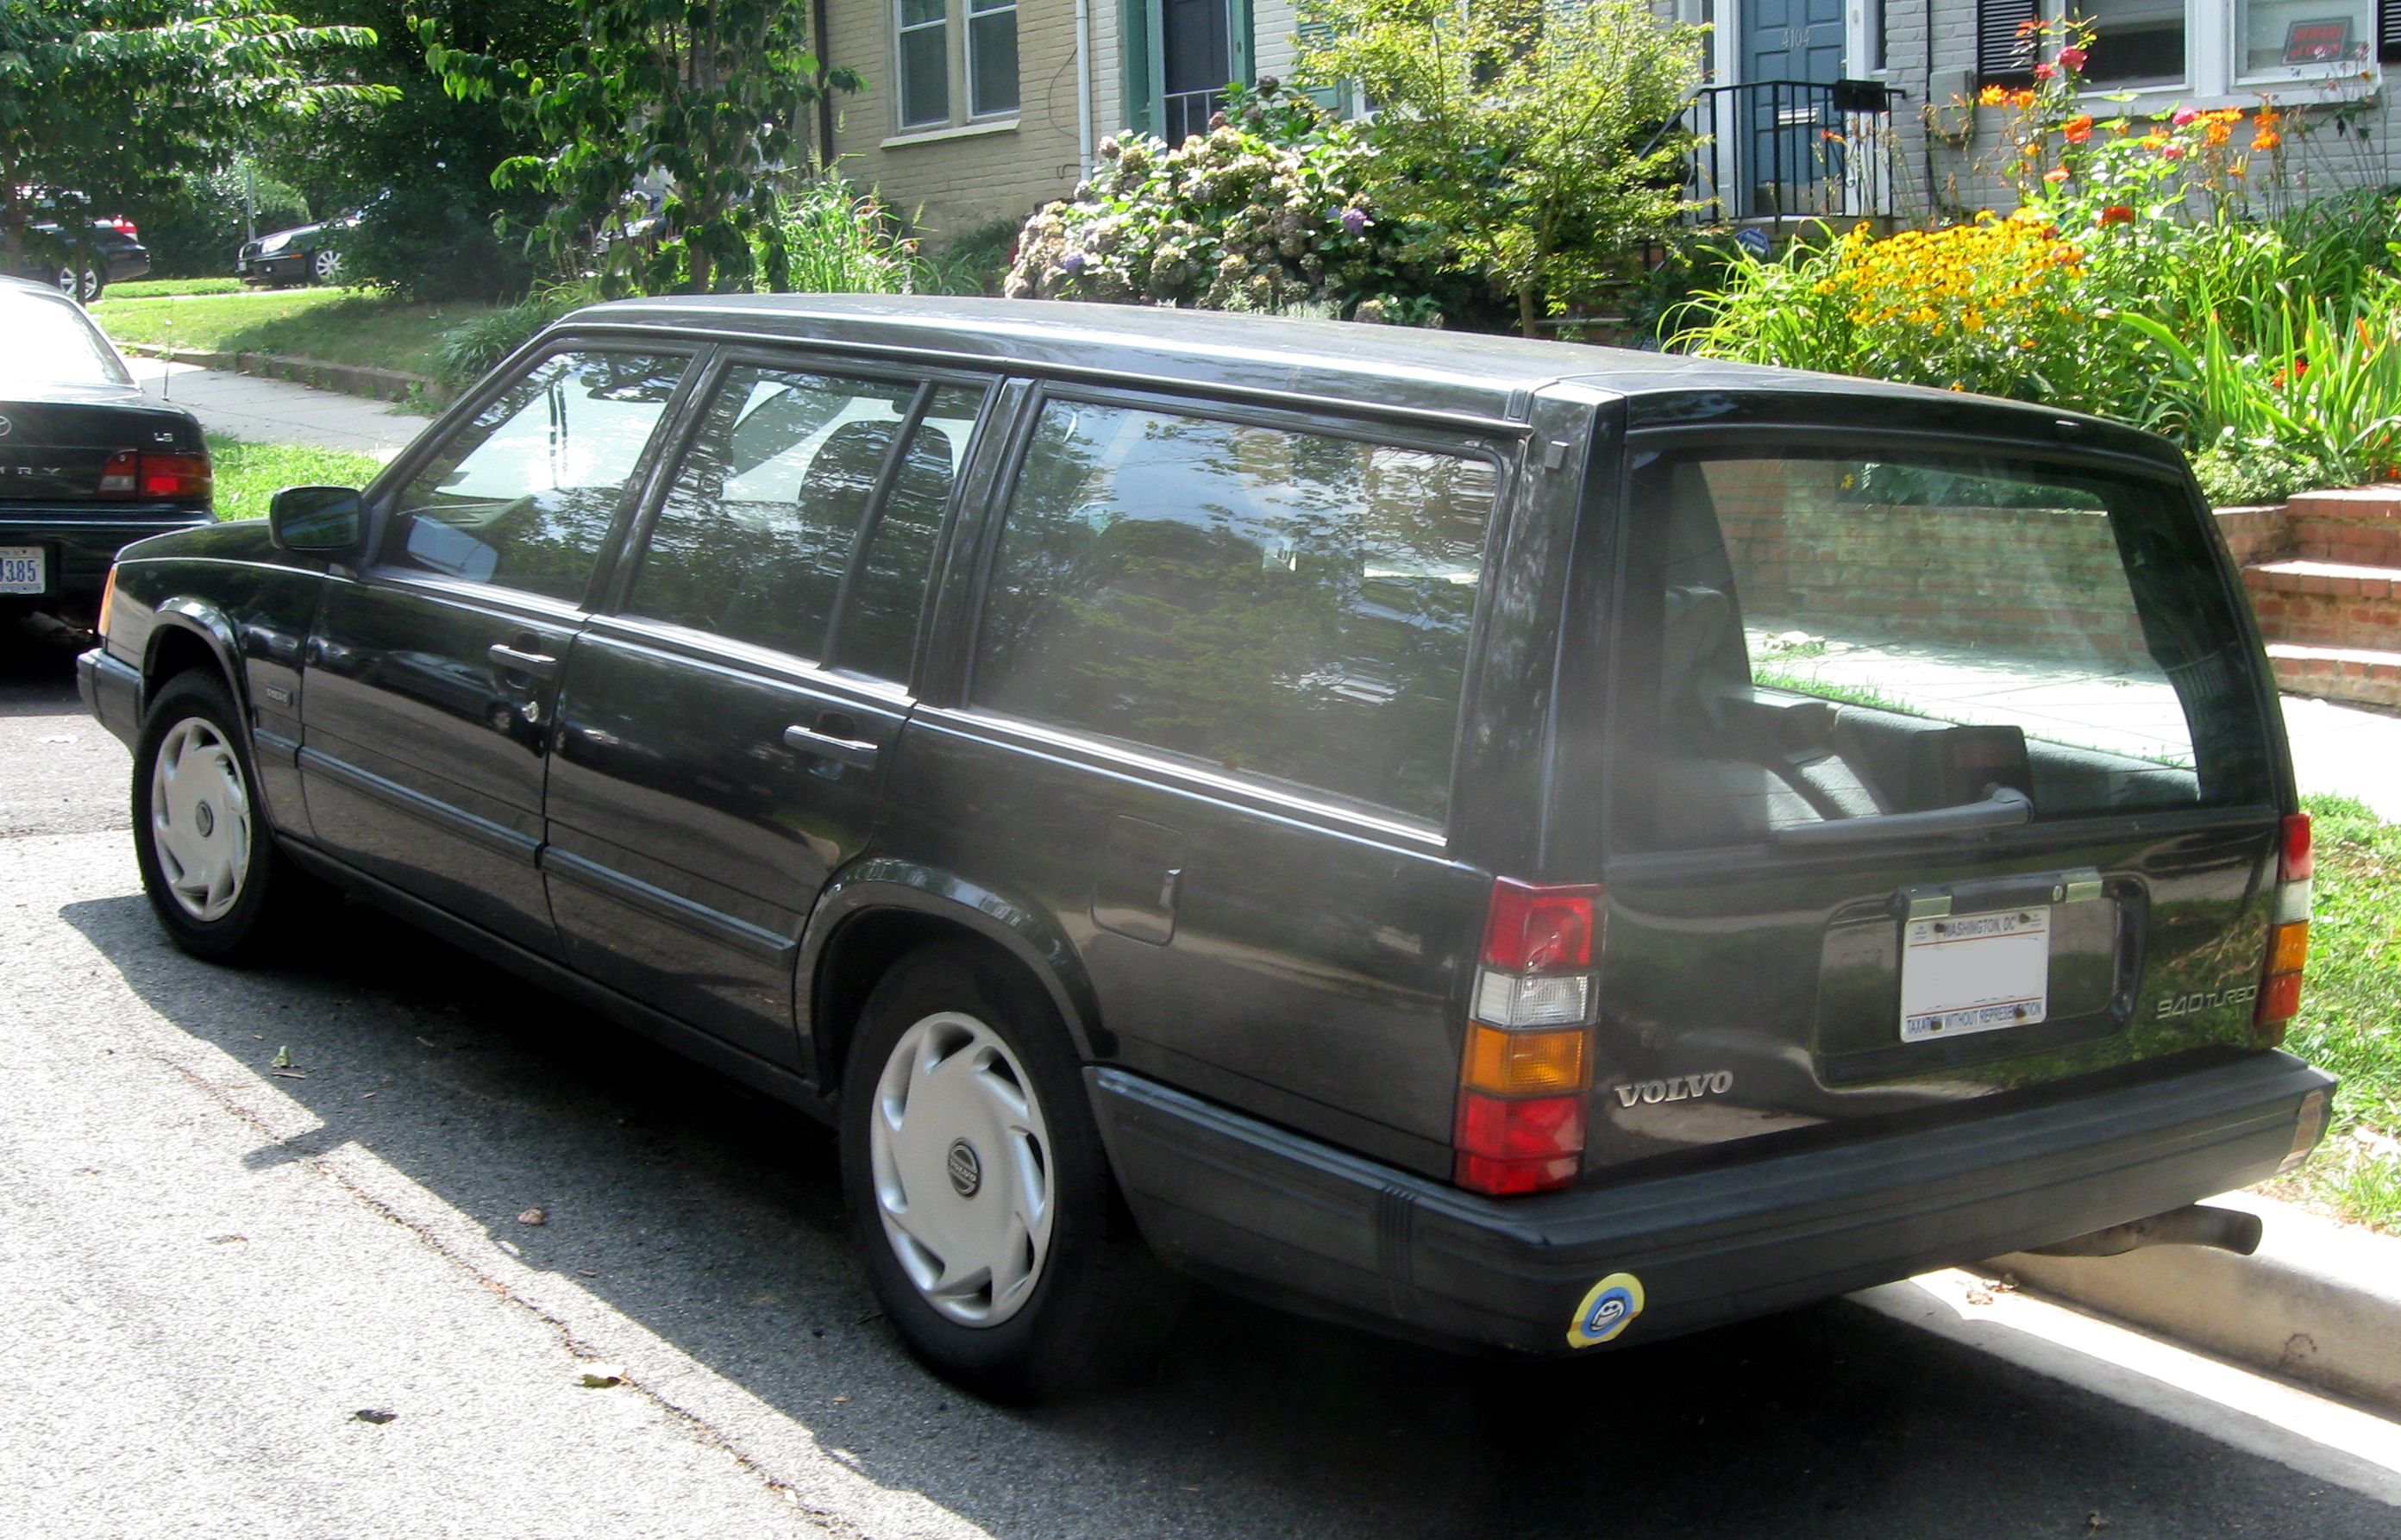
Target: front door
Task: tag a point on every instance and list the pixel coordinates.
(426, 708)
(1197, 54)
(723, 736)
(1788, 47)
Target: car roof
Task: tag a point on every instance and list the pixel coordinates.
(1343, 364)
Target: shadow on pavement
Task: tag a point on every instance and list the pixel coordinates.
(713, 1219)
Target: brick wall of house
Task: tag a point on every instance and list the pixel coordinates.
(953, 184)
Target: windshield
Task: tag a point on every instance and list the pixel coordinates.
(1838, 635)
(50, 342)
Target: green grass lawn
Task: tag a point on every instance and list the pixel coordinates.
(336, 325)
(248, 474)
(2350, 1013)
(150, 288)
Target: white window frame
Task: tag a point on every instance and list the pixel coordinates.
(959, 74)
(2212, 76)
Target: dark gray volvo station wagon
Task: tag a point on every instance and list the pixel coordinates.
(1521, 846)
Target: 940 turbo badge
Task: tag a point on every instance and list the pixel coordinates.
(1608, 1308)
(2205, 1000)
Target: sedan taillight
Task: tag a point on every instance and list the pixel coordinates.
(169, 478)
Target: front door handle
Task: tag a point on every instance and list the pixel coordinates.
(854, 752)
(541, 665)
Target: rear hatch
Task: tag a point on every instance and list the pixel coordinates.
(1937, 771)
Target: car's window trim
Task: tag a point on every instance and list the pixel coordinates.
(1506, 459)
(732, 656)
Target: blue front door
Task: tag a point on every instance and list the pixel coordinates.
(1784, 126)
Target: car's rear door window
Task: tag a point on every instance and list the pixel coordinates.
(523, 496)
(768, 516)
(1821, 636)
(1290, 605)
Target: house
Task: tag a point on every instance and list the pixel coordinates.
(978, 110)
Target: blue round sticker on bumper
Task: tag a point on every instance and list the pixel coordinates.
(1608, 1309)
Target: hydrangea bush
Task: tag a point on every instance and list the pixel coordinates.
(1268, 211)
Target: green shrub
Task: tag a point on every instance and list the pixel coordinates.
(975, 263)
(831, 238)
(2234, 474)
(469, 350)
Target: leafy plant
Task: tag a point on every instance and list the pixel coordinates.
(838, 240)
(1518, 142)
(471, 349)
(696, 98)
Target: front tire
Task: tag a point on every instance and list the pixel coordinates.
(210, 865)
(326, 267)
(995, 1238)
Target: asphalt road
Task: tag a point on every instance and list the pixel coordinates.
(237, 1208)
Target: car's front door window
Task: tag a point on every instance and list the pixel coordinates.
(522, 497)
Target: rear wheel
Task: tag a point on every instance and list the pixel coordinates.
(210, 865)
(995, 1238)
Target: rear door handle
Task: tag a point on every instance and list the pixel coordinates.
(848, 751)
(541, 665)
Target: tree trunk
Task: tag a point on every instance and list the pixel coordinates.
(1527, 315)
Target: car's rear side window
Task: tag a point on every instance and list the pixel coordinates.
(523, 496)
(1816, 636)
(1283, 604)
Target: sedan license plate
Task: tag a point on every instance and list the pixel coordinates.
(1974, 972)
(24, 569)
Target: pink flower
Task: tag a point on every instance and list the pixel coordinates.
(2184, 115)
(2045, 71)
(2172, 152)
(2071, 58)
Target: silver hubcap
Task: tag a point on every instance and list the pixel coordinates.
(329, 265)
(961, 1161)
(199, 819)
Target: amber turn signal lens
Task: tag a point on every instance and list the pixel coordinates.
(1522, 1064)
(2288, 948)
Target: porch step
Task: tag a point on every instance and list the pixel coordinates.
(2362, 674)
(2319, 603)
(2256, 534)
(2358, 526)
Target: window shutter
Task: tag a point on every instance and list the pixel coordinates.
(2005, 39)
(2388, 30)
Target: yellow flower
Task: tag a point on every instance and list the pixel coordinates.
(1992, 96)
(1972, 321)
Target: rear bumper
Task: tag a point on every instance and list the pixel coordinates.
(1271, 1213)
(82, 548)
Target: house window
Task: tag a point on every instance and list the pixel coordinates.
(2134, 42)
(937, 74)
(2288, 39)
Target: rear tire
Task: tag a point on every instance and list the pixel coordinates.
(995, 1238)
(219, 885)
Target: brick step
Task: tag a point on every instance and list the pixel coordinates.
(2256, 534)
(2362, 675)
(2351, 541)
(2326, 604)
(2367, 503)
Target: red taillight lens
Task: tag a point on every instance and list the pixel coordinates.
(121, 223)
(2299, 864)
(1520, 1146)
(1531, 930)
(121, 474)
(184, 477)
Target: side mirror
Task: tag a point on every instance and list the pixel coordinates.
(323, 520)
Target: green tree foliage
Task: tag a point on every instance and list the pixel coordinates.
(696, 100)
(1522, 138)
(103, 102)
(417, 170)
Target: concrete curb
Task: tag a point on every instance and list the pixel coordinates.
(2320, 1302)
(350, 379)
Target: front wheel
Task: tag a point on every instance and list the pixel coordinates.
(995, 1238)
(327, 266)
(209, 862)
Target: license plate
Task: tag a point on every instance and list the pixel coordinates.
(24, 569)
(1974, 972)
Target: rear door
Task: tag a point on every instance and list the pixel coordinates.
(427, 704)
(726, 735)
(1936, 770)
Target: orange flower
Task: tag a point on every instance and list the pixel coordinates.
(2217, 133)
(2022, 98)
(2065, 254)
(2078, 129)
(2266, 139)
(2118, 213)
(1992, 96)
(2056, 175)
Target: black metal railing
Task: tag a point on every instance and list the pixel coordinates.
(1789, 149)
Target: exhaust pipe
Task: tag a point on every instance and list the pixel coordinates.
(2195, 1224)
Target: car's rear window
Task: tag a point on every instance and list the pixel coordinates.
(50, 342)
(1815, 636)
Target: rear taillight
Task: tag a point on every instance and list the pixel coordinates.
(2288, 933)
(1527, 1062)
(176, 478)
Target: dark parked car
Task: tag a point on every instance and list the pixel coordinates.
(87, 461)
(306, 253)
(1518, 845)
(112, 254)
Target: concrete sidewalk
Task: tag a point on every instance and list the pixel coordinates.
(277, 412)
